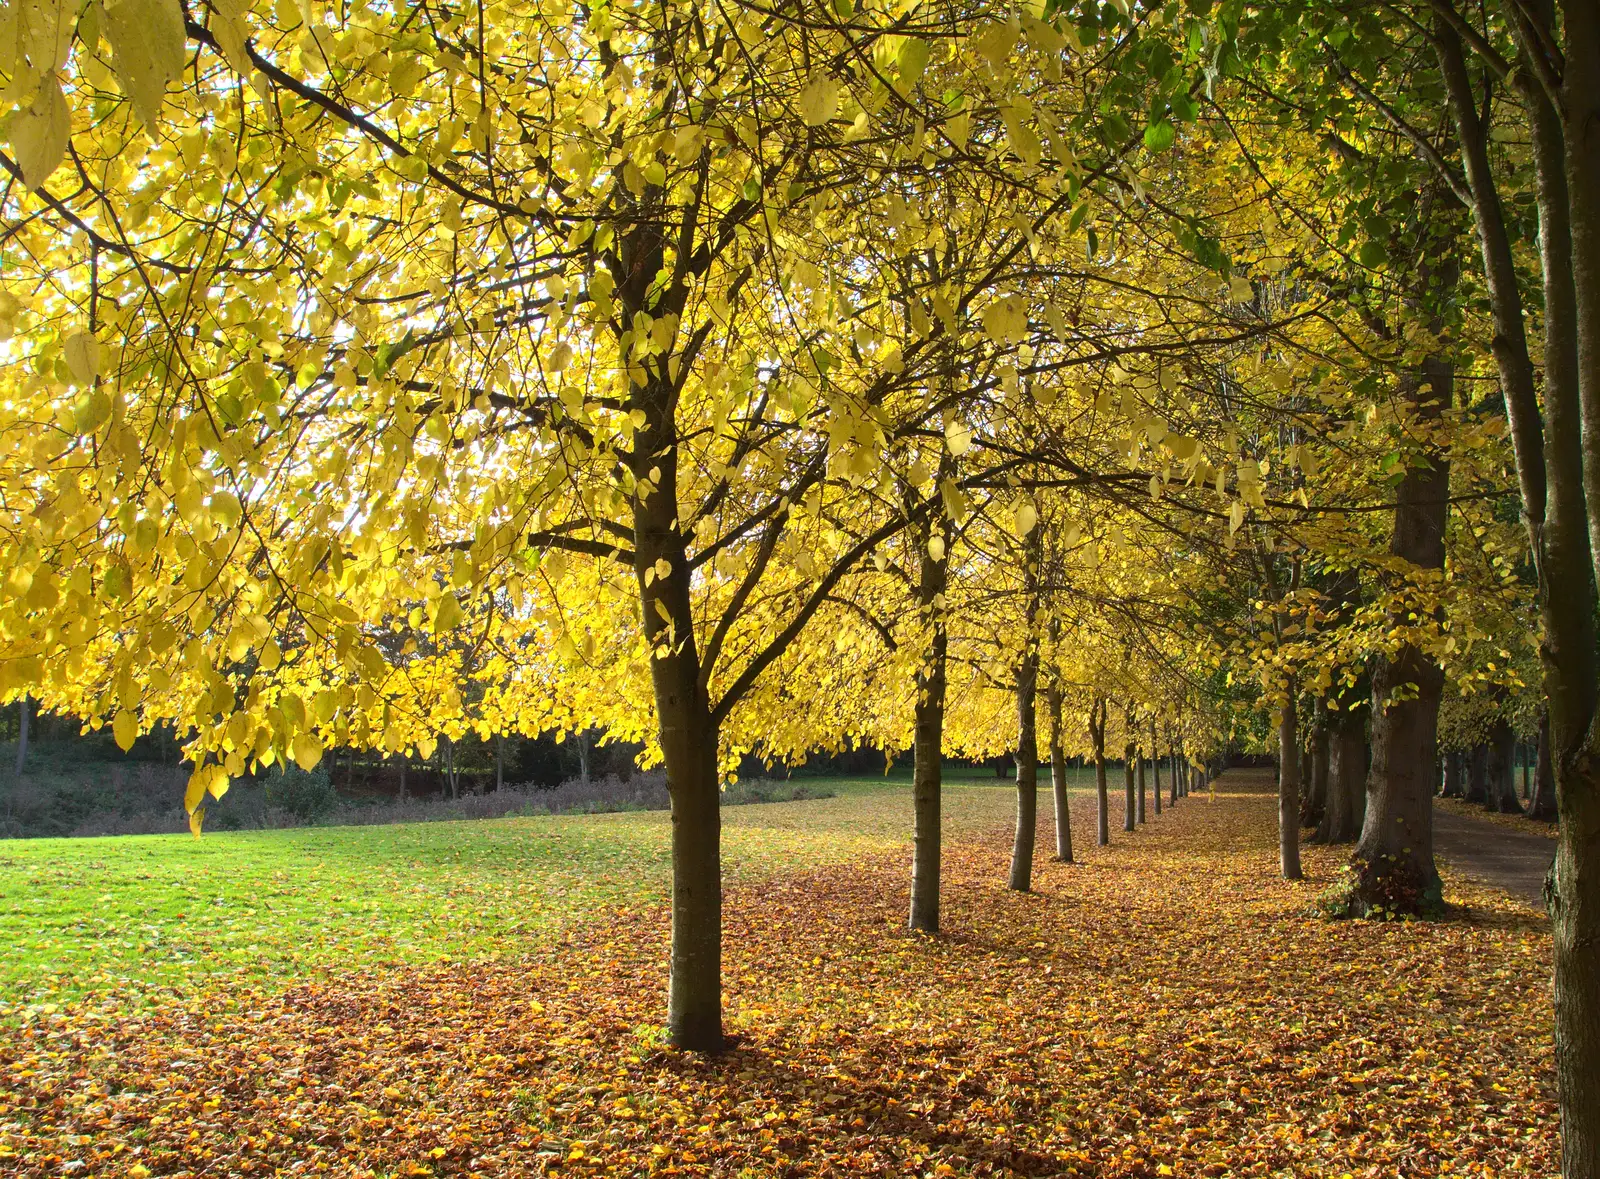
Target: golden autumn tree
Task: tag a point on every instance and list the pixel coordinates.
(359, 353)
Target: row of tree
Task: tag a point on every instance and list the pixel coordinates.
(742, 379)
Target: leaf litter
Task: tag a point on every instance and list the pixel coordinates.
(1167, 1007)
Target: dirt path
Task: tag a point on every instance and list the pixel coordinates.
(1492, 854)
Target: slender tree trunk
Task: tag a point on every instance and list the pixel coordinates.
(1139, 761)
(688, 728)
(689, 746)
(1543, 805)
(1289, 787)
(1097, 735)
(1155, 764)
(1027, 758)
(1058, 779)
(1525, 754)
(1130, 752)
(499, 763)
(928, 747)
(583, 756)
(404, 763)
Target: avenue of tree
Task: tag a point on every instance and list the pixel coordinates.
(1119, 380)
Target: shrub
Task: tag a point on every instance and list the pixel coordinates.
(307, 795)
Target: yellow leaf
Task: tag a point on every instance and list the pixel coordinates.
(147, 38)
(125, 728)
(39, 134)
(195, 790)
(307, 751)
(913, 60)
(958, 437)
(819, 100)
(448, 614)
(405, 71)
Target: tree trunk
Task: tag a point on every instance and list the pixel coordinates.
(583, 756)
(1027, 773)
(1454, 775)
(1155, 764)
(1543, 805)
(404, 762)
(1097, 735)
(1394, 864)
(1289, 787)
(1524, 753)
(1563, 517)
(1058, 779)
(1139, 763)
(928, 748)
(1314, 799)
(499, 763)
(688, 728)
(1476, 788)
(694, 1000)
(1347, 778)
(1502, 792)
(1130, 751)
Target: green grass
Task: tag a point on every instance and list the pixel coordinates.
(124, 916)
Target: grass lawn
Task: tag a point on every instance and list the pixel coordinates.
(128, 914)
